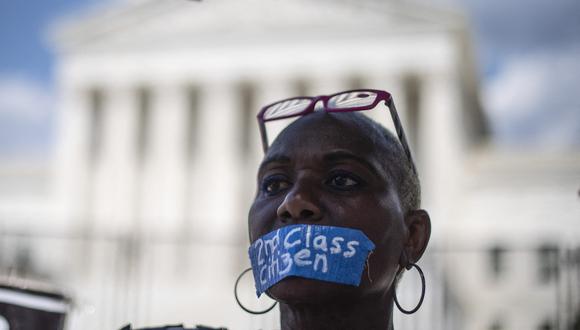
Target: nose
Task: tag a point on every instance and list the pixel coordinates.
(299, 205)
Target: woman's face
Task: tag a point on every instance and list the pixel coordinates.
(324, 170)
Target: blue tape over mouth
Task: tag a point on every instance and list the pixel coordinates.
(333, 254)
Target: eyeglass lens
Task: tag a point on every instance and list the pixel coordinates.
(352, 99)
(286, 108)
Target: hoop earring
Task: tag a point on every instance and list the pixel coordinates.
(244, 307)
(422, 292)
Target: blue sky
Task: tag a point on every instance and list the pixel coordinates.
(26, 88)
(23, 35)
(528, 53)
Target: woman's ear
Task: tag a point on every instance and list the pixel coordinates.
(419, 228)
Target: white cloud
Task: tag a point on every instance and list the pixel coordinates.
(515, 91)
(26, 116)
(24, 99)
(534, 99)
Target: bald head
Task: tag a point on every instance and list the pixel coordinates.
(360, 133)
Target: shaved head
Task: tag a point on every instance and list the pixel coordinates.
(372, 135)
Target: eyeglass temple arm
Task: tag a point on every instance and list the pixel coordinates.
(264, 136)
(400, 131)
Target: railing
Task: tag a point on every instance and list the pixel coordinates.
(116, 280)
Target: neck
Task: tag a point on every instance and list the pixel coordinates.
(375, 313)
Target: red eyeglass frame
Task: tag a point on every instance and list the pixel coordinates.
(381, 96)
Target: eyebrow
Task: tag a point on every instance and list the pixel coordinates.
(274, 158)
(331, 157)
(340, 155)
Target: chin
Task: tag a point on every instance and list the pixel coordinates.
(297, 290)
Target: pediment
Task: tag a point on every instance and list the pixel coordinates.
(139, 24)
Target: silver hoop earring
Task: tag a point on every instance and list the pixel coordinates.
(244, 307)
(422, 293)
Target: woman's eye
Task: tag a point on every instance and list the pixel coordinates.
(343, 181)
(275, 184)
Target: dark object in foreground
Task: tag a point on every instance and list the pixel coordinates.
(26, 305)
(174, 327)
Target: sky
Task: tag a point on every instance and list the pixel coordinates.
(528, 53)
(27, 102)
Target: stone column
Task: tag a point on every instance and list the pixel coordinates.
(441, 142)
(163, 176)
(270, 90)
(73, 187)
(392, 83)
(116, 173)
(214, 184)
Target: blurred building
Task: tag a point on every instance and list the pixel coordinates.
(513, 254)
(158, 147)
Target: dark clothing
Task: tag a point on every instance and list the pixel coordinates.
(174, 327)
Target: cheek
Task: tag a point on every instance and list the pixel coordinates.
(391, 219)
(389, 236)
(376, 217)
(384, 260)
(383, 224)
(261, 218)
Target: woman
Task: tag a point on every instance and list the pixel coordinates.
(335, 171)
